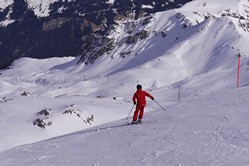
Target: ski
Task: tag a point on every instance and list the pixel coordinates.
(129, 123)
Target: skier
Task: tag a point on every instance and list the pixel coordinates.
(140, 101)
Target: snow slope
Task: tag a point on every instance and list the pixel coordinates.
(40, 8)
(197, 41)
(188, 63)
(210, 130)
(5, 3)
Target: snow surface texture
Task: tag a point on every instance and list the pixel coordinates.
(5, 3)
(41, 7)
(188, 63)
(111, 1)
(205, 131)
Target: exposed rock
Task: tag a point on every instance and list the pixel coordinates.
(43, 112)
(4, 100)
(72, 110)
(54, 24)
(94, 47)
(25, 93)
(100, 97)
(41, 121)
(138, 36)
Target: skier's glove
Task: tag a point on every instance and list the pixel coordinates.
(134, 103)
(152, 98)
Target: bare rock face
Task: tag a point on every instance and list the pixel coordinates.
(41, 119)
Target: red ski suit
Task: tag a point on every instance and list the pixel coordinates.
(139, 98)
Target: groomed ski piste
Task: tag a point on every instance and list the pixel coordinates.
(205, 131)
(82, 109)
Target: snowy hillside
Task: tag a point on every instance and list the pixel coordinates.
(5, 3)
(186, 58)
(41, 8)
(180, 44)
(211, 130)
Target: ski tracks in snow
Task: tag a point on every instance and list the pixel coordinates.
(209, 131)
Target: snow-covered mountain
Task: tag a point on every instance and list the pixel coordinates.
(59, 27)
(186, 58)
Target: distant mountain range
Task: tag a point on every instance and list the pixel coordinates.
(58, 28)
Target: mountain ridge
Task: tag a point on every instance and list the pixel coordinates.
(57, 27)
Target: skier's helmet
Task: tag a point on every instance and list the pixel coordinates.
(139, 87)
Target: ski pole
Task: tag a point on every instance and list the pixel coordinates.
(130, 111)
(160, 105)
